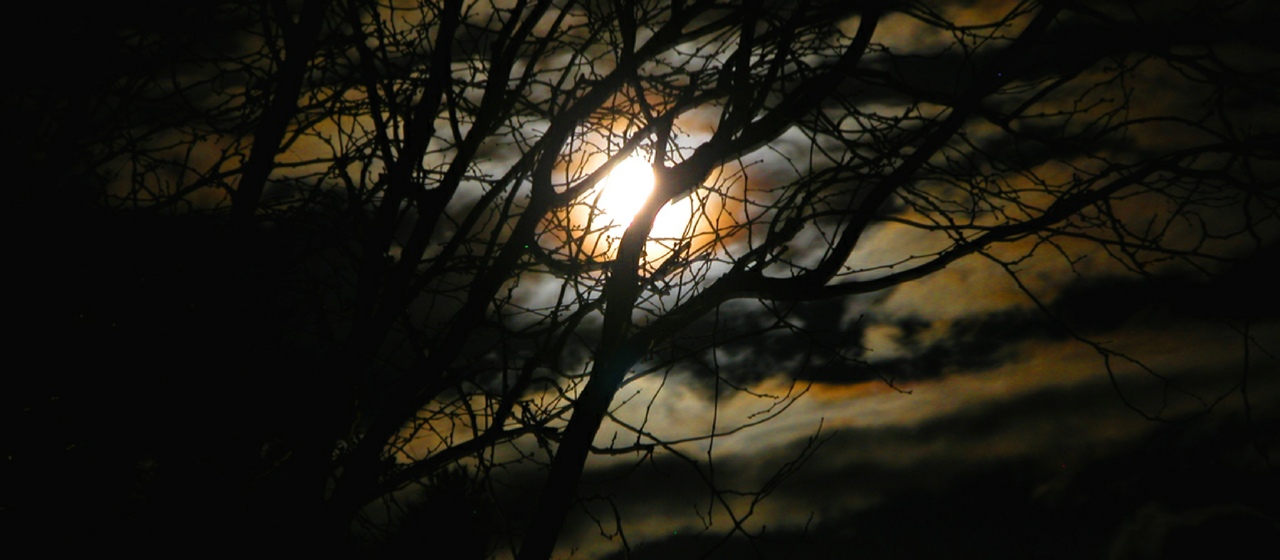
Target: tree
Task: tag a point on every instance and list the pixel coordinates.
(405, 232)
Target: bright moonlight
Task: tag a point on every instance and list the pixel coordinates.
(625, 190)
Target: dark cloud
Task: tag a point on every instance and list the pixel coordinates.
(1243, 291)
(1044, 476)
(1207, 509)
(817, 342)
(757, 341)
(971, 344)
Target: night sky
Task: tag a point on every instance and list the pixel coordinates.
(1062, 406)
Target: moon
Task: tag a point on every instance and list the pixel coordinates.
(624, 191)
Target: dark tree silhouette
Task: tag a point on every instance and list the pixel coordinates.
(380, 235)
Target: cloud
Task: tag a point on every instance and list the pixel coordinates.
(1018, 434)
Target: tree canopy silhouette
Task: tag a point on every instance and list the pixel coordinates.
(384, 239)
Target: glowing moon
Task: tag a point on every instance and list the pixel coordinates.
(625, 190)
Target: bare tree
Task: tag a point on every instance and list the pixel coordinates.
(443, 170)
